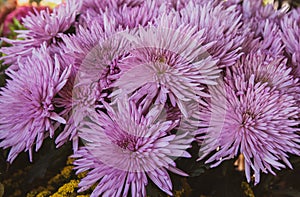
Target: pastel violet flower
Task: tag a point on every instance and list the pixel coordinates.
(93, 9)
(43, 26)
(123, 148)
(95, 49)
(94, 54)
(269, 41)
(126, 16)
(265, 69)
(255, 15)
(264, 24)
(132, 83)
(77, 101)
(113, 4)
(290, 26)
(19, 13)
(27, 114)
(178, 5)
(222, 25)
(134, 17)
(252, 119)
(168, 61)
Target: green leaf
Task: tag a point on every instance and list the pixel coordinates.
(17, 24)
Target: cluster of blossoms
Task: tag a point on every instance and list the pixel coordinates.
(133, 83)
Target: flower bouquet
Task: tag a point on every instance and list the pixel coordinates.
(148, 90)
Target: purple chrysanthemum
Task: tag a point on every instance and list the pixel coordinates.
(126, 16)
(251, 118)
(94, 53)
(123, 147)
(269, 41)
(41, 27)
(19, 13)
(255, 15)
(222, 25)
(77, 101)
(266, 69)
(169, 62)
(112, 4)
(26, 103)
(94, 49)
(290, 25)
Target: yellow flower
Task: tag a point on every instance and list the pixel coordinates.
(36, 191)
(82, 175)
(70, 161)
(66, 189)
(66, 171)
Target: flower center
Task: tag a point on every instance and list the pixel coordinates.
(248, 117)
(46, 108)
(126, 144)
(161, 70)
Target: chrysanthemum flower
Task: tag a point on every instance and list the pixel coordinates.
(259, 95)
(266, 69)
(19, 13)
(221, 24)
(178, 5)
(290, 25)
(125, 15)
(269, 41)
(112, 4)
(255, 15)
(41, 27)
(94, 49)
(170, 62)
(123, 147)
(252, 119)
(26, 103)
(94, 53)
(77, 102)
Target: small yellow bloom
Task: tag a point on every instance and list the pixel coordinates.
(82, 175)
(36, 191)
(66, 171)
(70, 161)
(67, 189)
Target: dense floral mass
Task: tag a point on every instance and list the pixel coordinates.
(138, 145)
(135, 84)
